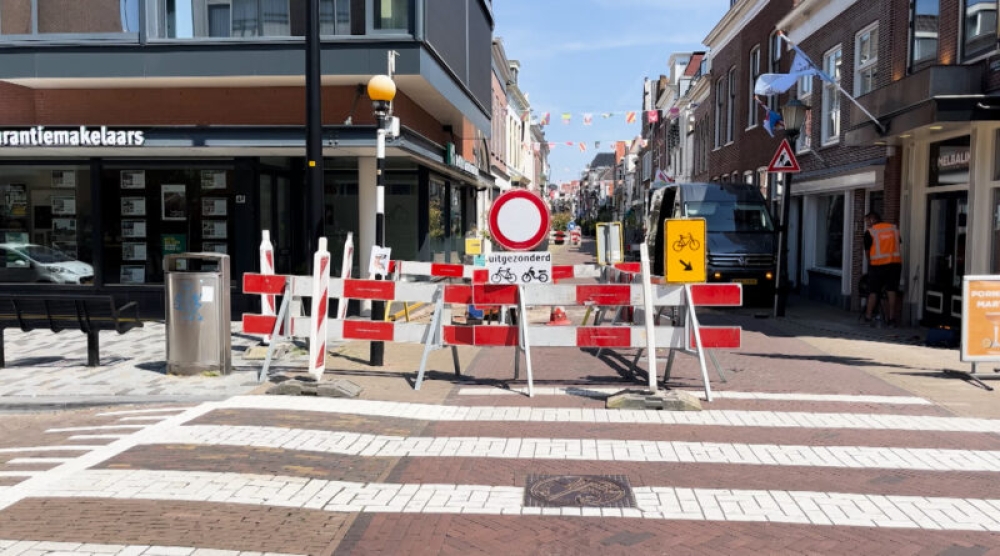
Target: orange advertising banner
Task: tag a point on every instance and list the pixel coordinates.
(981, 318)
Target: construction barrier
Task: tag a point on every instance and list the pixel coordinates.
(439, 332)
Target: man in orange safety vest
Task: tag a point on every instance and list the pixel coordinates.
(885, 264)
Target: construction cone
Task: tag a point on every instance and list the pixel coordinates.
(557, 317)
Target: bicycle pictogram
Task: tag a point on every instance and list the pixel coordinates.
(686, 240)
(503, 274)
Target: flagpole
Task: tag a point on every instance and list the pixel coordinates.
(836, 83)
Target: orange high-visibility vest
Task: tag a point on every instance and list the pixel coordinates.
(885, 244)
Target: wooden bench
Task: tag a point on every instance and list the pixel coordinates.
(57, 312)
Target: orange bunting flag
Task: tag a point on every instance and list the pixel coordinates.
(583, 147)
(630, 117)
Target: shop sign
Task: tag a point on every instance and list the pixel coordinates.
(981, 318)
(83, 136)
(451, 158)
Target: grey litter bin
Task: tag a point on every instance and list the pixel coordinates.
(197, 303)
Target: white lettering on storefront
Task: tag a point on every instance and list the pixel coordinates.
(38, 136)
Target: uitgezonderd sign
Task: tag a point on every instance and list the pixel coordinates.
(83, 136)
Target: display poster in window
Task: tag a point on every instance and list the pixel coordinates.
(213, 229)
(16, 237)
(64, 226)
(64, 178)
(133, 251)
(213, 179)
(213, 206)
(134, 228)
(133, 179)
(174, 197)
(133, 206)
(133, 274)
(15, 200)
(63, 204)
(214, 246)
(174, 243)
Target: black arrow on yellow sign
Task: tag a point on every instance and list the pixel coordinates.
(687, 266)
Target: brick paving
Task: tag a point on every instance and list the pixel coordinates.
(793, 475)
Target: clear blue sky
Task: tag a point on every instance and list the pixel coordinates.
(581, 56)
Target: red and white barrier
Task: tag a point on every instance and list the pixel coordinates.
(346, 265)
(267, 302)
(320, 307)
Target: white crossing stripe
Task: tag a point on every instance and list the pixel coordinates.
(602, 391)
(151, 418)
(70, 448)
(46, 548)
(644, 451)
(139, 411)
(97, 436)
(663, 502)
(725, 418)
(97, 428)
(35, 461)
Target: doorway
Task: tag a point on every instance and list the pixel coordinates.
(947, 219)
(275, 215)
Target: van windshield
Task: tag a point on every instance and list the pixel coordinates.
(44, 255)
(730, 216)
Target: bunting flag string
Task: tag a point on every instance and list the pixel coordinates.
(651, 116)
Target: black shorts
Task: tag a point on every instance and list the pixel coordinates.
(885, 276)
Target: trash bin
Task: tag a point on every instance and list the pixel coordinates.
(197, 303)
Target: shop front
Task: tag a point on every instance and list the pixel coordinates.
(102, 218)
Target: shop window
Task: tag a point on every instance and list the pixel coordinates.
(149, 213)
(392, 15)
(830, 232)
(995, 234)
(45, 225)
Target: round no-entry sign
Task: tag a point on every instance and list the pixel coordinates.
(519, 220)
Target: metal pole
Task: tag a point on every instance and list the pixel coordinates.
(314, 133)
(781, 294)
(377, 349)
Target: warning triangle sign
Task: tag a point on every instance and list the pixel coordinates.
(784, 159)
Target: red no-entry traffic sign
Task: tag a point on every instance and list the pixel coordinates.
(519, 220)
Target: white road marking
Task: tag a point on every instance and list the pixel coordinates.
(139, 411)
(97, 436)
(154, 419)
(664, 502)
(603, 391)
(96, 428)
(725, 418)
(34, 461)
(19, 473)
(646, 451)
(69, 448)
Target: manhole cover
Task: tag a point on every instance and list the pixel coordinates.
(591, 491)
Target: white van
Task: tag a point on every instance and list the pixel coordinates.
(27, 262)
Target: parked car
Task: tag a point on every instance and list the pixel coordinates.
(741, 239)
(28, 262)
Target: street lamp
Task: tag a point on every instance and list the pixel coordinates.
(314, 131)
(381, 90)
(794, 115)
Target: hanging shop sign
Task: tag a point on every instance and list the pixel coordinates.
(83, 136)
(451, 158)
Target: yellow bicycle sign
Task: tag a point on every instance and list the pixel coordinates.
(684, 250)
